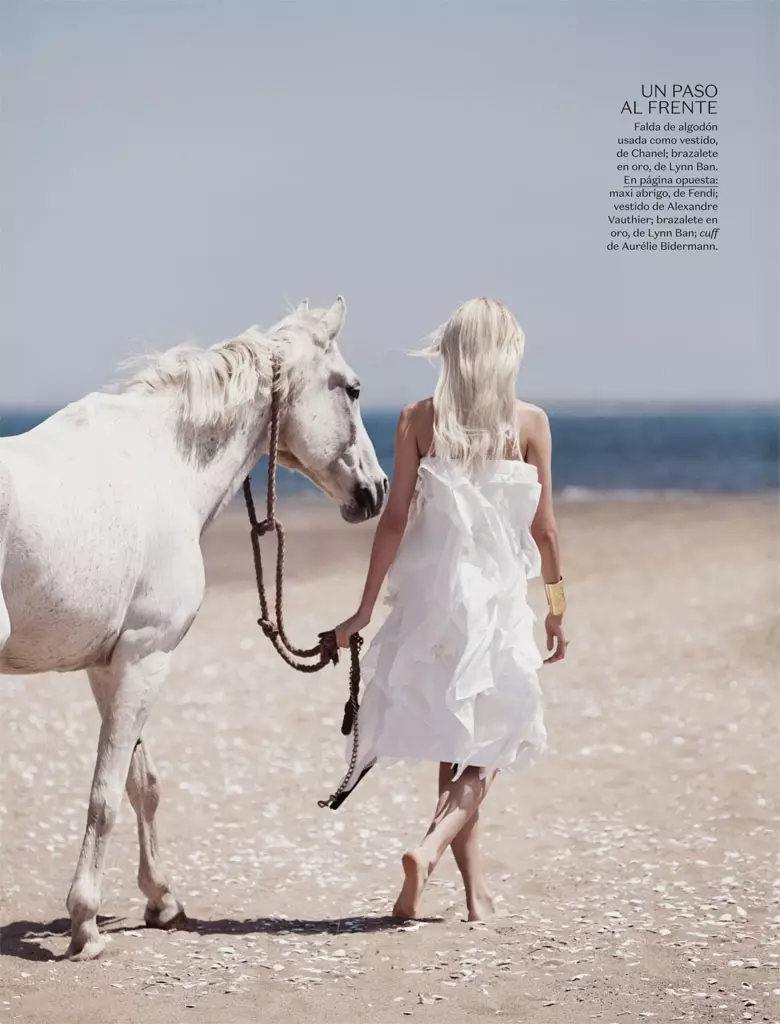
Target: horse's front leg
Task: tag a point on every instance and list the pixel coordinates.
(137, 675)
(143, 789)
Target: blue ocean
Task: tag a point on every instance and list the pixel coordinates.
(727, 451)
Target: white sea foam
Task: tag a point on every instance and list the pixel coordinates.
(575, 494)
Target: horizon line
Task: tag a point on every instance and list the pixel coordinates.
(551, 404)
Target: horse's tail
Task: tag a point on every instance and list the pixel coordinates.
(5, 515)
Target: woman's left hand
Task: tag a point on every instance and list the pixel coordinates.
(351, 625)
(556, 641)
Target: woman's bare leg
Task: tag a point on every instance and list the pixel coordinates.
(465, 848)
(458, 802)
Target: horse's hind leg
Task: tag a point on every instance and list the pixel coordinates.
(143, 789)
(137, 675)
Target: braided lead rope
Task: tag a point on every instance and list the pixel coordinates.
(327, 650)
(350, 722)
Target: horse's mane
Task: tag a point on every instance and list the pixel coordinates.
(215, 386)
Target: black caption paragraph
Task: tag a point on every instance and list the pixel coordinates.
(665, 197)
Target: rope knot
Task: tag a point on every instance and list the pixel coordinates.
(270, 630)
(264, 527)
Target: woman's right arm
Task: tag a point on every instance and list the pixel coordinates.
(544, 528)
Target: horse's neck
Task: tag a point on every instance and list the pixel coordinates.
(214, 464)
(217, 485)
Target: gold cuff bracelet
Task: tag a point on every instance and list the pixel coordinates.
(556, 598)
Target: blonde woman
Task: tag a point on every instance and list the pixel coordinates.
(451, 675)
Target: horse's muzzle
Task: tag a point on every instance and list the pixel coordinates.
(366, 501)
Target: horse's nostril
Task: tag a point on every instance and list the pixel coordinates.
(370, 499)
(364, 497)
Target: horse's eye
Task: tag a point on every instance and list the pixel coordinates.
(353, 390)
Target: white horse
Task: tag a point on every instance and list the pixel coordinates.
(102, 508)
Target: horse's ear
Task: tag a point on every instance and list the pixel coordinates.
(333, 320)
(303, 306)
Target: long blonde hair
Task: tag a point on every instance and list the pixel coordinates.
(481, 347)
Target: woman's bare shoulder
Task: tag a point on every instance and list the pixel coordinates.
(424, 406)
(419, 413)
(531, 410)
(531, 417)
(418, 417)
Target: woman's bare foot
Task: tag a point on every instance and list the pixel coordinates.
(480, 906)
(416, 872)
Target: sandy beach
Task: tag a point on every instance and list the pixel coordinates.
(635, 867)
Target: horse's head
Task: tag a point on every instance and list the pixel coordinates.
(321, 431)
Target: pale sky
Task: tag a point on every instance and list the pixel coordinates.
(179, 170)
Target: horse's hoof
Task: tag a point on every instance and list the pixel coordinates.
(170, 918)
(90, 950)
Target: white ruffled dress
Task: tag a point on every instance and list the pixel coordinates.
(451, 674)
